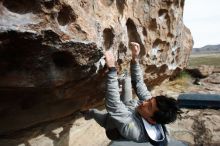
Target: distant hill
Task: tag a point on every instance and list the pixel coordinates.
(207, 49)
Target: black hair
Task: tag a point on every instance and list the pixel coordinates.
(168, 110)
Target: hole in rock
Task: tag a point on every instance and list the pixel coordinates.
(66, 15)
(163, 68)
(24, 52)
(156, 43)
(170, 35)
(122, 48)
(162, 12)
(178, 50)
(119, 61)
(107, 2)
(133, 35)
(177, 58)
(153, 24)
(22, 6)
(49, 4)
(182, 3)
(176, 3)
(63, 59)
(108, 38)
(144, 31)
(166, 3)
(120, 5)
(162, 46)
(164, 16)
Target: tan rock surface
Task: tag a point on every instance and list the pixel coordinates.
(51, 52)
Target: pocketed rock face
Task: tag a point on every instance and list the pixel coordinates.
(51, 52)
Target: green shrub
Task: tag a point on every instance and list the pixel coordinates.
(183, 74)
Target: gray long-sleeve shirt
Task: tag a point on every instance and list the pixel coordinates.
(124, 115)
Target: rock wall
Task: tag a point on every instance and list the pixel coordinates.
(51, 52)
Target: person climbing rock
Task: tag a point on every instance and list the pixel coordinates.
(140, 120)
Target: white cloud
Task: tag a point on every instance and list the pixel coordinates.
(202, 17)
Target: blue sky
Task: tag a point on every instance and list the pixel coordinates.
(202, 17)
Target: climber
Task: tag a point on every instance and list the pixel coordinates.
(140, 120)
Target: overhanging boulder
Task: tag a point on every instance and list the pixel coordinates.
(51, 52)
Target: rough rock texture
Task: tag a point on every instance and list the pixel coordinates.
(51, 52)
(197, 127)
